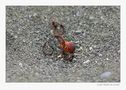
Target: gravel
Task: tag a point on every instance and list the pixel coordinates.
(94, 29)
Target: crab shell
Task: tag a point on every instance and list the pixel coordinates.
(69, 47)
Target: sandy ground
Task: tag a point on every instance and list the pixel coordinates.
(95, 31)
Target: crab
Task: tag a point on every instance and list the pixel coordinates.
(67, 47)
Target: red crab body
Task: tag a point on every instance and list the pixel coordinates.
(68, 47)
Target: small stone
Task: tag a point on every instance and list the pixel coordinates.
(30, 42)
(18, 32)
(102, 18)
(76, 42)
(96, 61)
(35, 14)
(84, 34)
(86, 61)
(78, 13)
(106, 74)
(20, 64)
(37, 74)
(15, 36)
(74, 59)
(19, 29)
(100, 54)
(24, 40)
(58, 28)
(37, 39)
(80, 23)
(90, 48)
(30, 16)
(107, 59)
(12, 33)
(51, 31)
(81, 48)
(37, 31)
(94, 46)
(91, 17)
(59, 56)
(77, 32)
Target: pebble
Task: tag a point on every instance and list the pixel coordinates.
(86, 61)
(18, 32)
(24, 40)
(77, 32)
(100, 54)
(96, 61)
(59, 56)
(20, 64)
(30, 16)
(37, 31)
(76, 42)
(106, 74)
(37, 39)
(36, 74)
(12, 33)
(94, 46)
(91, 17)
(15, 36)
(90, 48)
(78, 13)
(51, 31)
(107, 59)
(80, 23)
(35, 14)
(81, 48)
